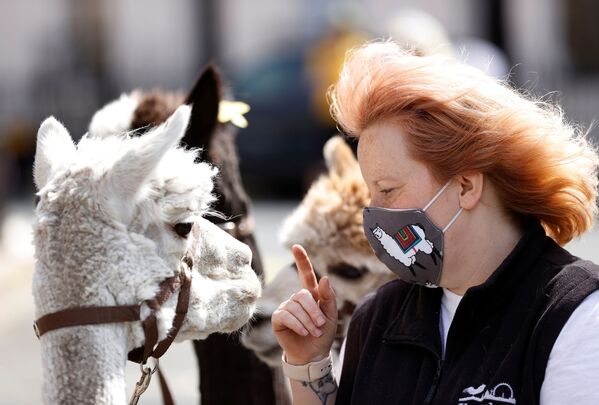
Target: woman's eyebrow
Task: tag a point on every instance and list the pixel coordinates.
(390, 180)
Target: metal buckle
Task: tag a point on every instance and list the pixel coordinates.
(144, 382)
(36, 330)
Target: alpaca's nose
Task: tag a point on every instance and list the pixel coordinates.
(246, 255)
(242, 256)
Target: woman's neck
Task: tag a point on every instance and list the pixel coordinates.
(85, 365)
(483, 250)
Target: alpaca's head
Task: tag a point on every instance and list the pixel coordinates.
(117, 214)
(378, 232)
(141, 110)
(328, 223)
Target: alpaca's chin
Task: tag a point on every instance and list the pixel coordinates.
(241, 308)
(221, 305)
(227, 322)
(237, 318)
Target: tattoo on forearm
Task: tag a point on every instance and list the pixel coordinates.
(323, 388)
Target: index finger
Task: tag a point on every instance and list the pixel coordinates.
(305, 270)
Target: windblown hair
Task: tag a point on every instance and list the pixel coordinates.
(458, 119)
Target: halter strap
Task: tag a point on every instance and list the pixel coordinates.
(85, 316)
(128, 313)
(180, 312)
(150, 326)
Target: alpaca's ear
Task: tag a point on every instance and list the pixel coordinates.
(205, 97)
(54, 147)
(339, 157)
(131, 170)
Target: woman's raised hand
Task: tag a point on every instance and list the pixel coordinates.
(306, 323)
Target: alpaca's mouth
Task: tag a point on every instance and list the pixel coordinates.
(188, 260)
(250, 287)
(248, 297)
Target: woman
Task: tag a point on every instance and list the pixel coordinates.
(474, 188)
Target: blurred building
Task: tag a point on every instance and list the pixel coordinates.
(68, 57)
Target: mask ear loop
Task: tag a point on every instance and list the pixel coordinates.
(432, 201)
(453, 219)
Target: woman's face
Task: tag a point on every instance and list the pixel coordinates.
(395, 179)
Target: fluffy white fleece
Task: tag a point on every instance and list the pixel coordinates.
(103, 235)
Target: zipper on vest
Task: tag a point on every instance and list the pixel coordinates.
(433, 389)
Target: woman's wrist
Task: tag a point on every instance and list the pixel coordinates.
(310, 371)
(300, 361)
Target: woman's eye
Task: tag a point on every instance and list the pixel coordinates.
(183, 228)
(387, 190)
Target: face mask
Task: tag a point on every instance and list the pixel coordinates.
(408, 242)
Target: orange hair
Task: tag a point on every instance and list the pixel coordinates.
(458, 120)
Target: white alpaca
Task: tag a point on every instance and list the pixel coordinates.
(116, 215)
(407, 257)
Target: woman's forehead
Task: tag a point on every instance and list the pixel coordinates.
(383, 152)
(383, 136)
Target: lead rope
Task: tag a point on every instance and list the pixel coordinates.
(181, 310)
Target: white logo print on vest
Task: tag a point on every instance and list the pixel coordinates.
(502, 393)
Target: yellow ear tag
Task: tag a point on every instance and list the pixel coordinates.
(233, 111)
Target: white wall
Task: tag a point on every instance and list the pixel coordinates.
(151, 42)
(27, 29)
(253, 30)
(535, 33)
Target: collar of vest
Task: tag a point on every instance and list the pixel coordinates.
(417, 320)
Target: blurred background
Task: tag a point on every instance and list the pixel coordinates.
(68, 58)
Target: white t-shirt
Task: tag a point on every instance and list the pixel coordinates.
(449, 304)
(572, 372)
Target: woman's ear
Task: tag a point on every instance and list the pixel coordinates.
(471, 189)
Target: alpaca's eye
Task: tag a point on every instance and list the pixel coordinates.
(183, 228)
(347, 271)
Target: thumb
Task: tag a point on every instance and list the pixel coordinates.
(327, 302)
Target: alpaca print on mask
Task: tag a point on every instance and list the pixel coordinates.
(404, 245)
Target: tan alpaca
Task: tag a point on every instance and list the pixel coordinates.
(328, 223)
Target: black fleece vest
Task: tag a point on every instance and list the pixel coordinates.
(498, 343)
